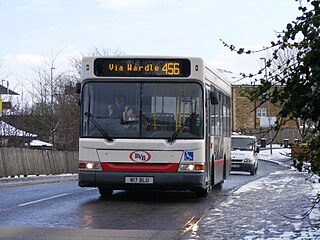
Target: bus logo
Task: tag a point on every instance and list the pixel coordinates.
(140, 156)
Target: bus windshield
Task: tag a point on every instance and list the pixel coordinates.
(142, 110)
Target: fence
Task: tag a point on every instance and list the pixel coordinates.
(288, 133)
(24, 161)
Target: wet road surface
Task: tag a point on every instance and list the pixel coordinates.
(65, 205)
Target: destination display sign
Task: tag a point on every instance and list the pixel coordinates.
(120, 67)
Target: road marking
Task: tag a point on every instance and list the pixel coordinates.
(43, 199)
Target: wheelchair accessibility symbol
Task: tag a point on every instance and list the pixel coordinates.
(188, 156)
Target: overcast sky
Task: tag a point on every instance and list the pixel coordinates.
(32, 29)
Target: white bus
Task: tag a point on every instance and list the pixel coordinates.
(172, 130)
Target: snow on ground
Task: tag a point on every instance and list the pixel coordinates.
(290, 194)
(278, 153)
(281, 155)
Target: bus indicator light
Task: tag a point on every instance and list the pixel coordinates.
(192, 167)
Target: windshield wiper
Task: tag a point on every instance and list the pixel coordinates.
(97, 125)
(179, 130)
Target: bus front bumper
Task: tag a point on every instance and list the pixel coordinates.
(117, 180)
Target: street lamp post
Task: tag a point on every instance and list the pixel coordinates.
(51, 86)
(268, 104)
(52, 110)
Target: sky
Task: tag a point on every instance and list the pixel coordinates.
(33, 31)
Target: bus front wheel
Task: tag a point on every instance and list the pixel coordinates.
(202, 193)
(105, 192)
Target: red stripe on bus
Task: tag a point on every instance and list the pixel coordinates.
(221, 161)
(139, 167)
(218, 162)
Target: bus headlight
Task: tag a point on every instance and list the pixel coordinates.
(191, 167)
(89, 166)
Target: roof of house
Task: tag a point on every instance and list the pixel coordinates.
(4, 90)
(236, 78)
(8, 130)
(38, 143)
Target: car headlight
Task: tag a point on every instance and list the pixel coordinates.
(247, 160)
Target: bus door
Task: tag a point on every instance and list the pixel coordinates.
(208, 159)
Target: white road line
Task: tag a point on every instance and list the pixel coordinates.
(43, 199)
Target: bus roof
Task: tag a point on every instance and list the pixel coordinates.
(153, 67)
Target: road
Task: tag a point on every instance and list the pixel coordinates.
(65, 205)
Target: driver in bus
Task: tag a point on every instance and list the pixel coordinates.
(119, 109)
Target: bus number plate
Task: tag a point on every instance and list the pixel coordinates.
(139, 180)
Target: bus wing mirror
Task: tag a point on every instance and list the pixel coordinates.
(78, 87)
(214, 97)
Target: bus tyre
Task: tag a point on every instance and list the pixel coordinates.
(218, 186)
(105, 192)
(202, 193)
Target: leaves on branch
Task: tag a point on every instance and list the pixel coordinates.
(298, 75)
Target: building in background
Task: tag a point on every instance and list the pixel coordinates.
(5, 91)
(10, 135)
(254, 118)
